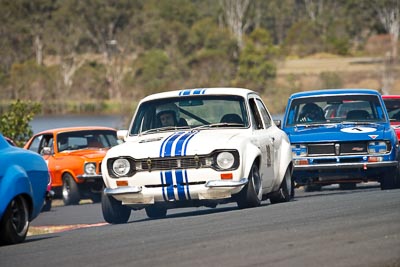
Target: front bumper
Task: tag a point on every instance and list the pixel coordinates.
(330, 173)
(89, 176)
(142, 195)
(335, 166)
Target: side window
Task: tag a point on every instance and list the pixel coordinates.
(47, 141)
(255, 114)
(264, 113)
(35, 144)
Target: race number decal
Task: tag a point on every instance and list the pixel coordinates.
(269, 162)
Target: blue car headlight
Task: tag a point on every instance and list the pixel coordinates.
(379, 147)
(299, 151)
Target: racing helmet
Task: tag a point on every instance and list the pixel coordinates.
(168, 108)
(312, 111)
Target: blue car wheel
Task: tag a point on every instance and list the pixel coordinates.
(15, 222)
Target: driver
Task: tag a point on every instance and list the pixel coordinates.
(311, 112)
(168, 114)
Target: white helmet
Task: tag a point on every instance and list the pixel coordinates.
(170, 107)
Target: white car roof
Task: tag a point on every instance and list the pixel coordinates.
(201, 91)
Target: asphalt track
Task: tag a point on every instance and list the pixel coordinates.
(358, 227)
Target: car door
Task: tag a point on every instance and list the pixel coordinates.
(38, 144)
(264, 140)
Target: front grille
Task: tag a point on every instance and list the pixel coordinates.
(353, 148)
(338, 149)
(327, 149)
(172, 163)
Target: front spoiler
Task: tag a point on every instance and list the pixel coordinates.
(210, 184)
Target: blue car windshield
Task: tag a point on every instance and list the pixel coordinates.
(188, 112)
(335, 109)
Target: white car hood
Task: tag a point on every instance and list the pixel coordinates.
(179, 143)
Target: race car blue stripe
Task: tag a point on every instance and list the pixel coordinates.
(187, 185)
(179, 144)
(192, 92)
(187, 142)
(163, 144)
(179, 185)
(166, 147)
(197, 91)
(184, 92)
(163, 186)
(170, 185)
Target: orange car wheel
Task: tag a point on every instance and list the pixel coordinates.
(70, 190)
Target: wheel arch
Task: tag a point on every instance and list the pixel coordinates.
(252, 155)
(285, 163)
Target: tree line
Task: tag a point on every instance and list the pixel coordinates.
(77, 56)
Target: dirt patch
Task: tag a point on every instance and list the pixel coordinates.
(41, 230)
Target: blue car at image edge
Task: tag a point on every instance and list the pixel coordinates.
(341, 136)
(23, 185)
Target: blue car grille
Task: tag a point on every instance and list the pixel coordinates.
(338, 149)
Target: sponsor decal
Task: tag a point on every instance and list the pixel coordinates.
(150, 140)
(373, 136)
(200, 91)
(175, 182)
(358, 130)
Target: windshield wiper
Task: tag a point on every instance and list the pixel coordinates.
(312, 125)
(163, 129)
(219, 124)
(359, 122)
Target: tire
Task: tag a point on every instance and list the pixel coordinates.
(70, 190)
(389, 180)
(15, 222)
(156, 212)
(113, 210)
(47, 205)
(251, 194)
(286, 190)
(347, 186)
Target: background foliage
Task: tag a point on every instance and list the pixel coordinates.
(95, 55)
(15, 122)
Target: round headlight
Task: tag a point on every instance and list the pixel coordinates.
(121, 167)
(225, 160)
(90, 168)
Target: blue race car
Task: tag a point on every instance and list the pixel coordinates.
(341, 136)
(23, 184)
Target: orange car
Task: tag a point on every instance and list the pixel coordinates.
(74, 156)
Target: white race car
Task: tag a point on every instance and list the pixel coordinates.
(197, 147)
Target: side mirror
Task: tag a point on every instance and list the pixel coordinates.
(278, 123)
(46, 151)
(122, 134)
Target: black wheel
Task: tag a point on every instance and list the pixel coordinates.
(70, 190)
(156, 212)
(312, 187)
(347, 186)
(113, 210)
(251, 194)
(15, 222)
(47, 205)
(286, 190)
(389, 179)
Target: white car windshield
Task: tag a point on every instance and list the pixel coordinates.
(335, 109)
(190, 112)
